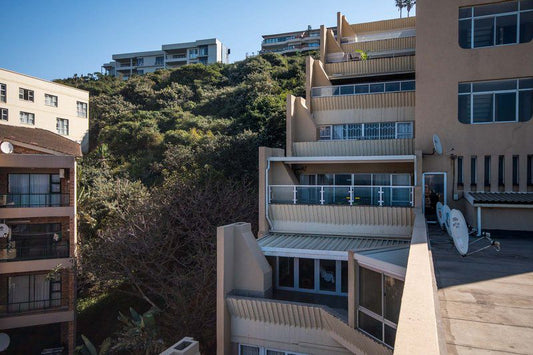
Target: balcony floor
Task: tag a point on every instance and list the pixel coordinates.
(485, 299)
(338, 303)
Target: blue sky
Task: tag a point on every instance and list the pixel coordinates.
(55, 39)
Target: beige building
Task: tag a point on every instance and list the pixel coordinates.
(204, 51)
(342, 263)
(26, 101)
(38, 206)
(292, 42)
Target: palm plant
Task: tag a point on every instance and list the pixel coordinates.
(400, 4)
(409, 4)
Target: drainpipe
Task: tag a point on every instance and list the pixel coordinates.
(267, 194)
(479, 221)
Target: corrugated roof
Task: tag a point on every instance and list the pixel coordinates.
(395, 256)
(40, 138)
(327, 242)
(518, 198)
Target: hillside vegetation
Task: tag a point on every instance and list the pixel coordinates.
(173, 156)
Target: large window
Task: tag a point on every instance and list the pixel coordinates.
(82, 109)
(496, 101)
(380, 297)
(259, 350)
(367, 131)
(30, 292)
(27, 118)
(496, 24)
(62, 126)
(159, 60)
(34, 190)
(50, 100)
(310, 275)
(26, 94)
(362, 89)
(3, 92)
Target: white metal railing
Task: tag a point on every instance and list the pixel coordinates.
(352, 195)
(361, 89)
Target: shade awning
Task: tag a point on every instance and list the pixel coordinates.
(500, 199)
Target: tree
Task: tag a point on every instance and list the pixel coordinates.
(409, 4)
(400, 4)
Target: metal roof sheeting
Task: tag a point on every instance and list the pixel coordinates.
(523, 198)
(327, 242)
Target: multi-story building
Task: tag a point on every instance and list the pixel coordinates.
(205, 51)
(27, 101)
(342, 262)
(292, 42)
(38, 206)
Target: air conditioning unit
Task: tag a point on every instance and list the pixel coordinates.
(186, 346)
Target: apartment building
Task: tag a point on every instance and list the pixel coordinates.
(26, 101)
(38, 206)
(292, 42)
(337, 207)
(204, 51)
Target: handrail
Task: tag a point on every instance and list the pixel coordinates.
(14, 200)
(52, 250)
(337, 90)
(35, 305)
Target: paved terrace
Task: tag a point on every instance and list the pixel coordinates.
(486, 300)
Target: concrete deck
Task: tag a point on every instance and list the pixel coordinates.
(486, 299)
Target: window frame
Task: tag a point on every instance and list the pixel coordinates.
(460, 171)
(22, 113)
(366, 129)
(4, 112)
(84, 112)
(49, 100)
(63, 121)
(23, 93)
(3, 92)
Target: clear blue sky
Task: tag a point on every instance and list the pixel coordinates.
(55, 39)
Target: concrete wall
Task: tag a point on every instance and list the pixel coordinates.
(514, 219)
(46, 116)
(441, 64)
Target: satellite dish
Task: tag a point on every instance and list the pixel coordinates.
(437, 146)
(459, 231)
(4, 231)
(6, 147)
(446, 218)
(4, 341)
(440, 216)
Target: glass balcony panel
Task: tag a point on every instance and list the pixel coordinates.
(308, 195)
(281, 194)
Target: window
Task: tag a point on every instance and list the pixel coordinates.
(501, 170)
(158, 60)
(26, 94)
(516, 170)
(140, 61)
(473, 170)
(508, 22)
(248, 350)
(359, 89)
(193, 53)
(29, 292)
(306, 270)
(367, 131)
(379, 304)
(530, 170)
(82, 109)
(3, 92)
(62, 126)
(257, 350)
(460, 178)
(34, 190)
(27, 118)
(3, 114)
(286, 272)
(487, 171)
(495, 101)
(50, 100)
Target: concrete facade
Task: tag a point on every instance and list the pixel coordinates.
(49, 102)
(292, 42)
(205, 51)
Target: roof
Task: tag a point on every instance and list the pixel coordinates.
(326, 242)
(40, 138)
(515, 198)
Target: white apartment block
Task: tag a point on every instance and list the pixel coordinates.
(27, 101)
(204, 51)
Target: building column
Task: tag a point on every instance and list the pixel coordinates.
(353, 294)
(68, 336)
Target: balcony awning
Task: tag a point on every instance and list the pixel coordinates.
(384, 254)
(346, 159)
(500, 199)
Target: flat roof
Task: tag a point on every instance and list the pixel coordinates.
(347, 159)
(296, 32)
(136, 54)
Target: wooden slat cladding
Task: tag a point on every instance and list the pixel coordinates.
(385, 25)
(354, 147)
(372, 66)
(367, 101)
(381, 45)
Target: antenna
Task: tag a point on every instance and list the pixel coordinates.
(459, 232)
(6, 147)
(440, 216)
(446, 218)
(4, 341)
(5, 232)
(437, 146)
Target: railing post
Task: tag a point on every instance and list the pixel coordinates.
(351, 195)
(380, 193)
(294, 194)
(321, 195)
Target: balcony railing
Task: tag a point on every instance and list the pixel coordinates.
(352, 195)
(34, 249)
(35, 200)
(363, 89)
(10, 308)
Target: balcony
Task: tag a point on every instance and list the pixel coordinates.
(12, 308)
(379, 66)
(352, 195)
(354, 147)
(35, 247)
(383, 45)
(34, 200)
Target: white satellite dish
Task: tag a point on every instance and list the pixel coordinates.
(4, 341)
(6, 147)
(440, 216)
(437, 146)
(446, 218)
(459, 232)
(4, 231)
